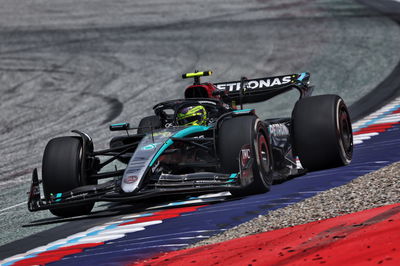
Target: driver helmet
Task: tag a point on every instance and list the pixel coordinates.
(192, 116)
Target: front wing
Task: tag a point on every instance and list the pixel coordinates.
(196, 183)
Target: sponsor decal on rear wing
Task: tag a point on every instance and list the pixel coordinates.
(261, 83)
(262, 89)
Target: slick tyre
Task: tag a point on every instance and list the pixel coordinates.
(322, 132)
(149, 123)
(233, 134)
(62, 171)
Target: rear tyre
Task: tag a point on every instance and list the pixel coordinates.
(62, 171)
(232, 136)
(149, 123)
(323, 136)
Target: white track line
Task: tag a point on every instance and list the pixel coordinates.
(16, 205)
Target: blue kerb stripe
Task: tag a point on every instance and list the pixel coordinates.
(178, 203)
(302, 76)
(143, 215)
(109, 227)
(74, 240)
(180, 134)
(16, 260)
(379, 117)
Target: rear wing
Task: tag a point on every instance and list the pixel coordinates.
(262, 89)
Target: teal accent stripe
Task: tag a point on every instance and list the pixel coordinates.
(58, 195)
(190, 130)
(119, 124)
(302, 76)
(168, 143)
(180, 134)
(233, 178)
(243, 110)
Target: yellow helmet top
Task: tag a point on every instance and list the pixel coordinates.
(192, 116)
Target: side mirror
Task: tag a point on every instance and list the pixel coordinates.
(119, 126)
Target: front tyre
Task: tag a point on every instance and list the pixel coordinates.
(62, 171)
(323, 136)
(237, 132)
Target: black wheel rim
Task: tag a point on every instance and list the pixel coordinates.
(345, 130)
(263, 154)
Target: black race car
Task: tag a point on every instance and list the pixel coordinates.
(203, 143)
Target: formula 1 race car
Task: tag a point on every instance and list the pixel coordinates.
(203, 143)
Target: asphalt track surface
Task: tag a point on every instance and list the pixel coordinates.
(67, 64)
